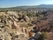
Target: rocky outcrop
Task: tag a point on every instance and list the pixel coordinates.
(16, 25)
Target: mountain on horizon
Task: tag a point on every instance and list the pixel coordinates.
(36, 6)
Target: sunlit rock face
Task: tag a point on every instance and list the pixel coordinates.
(11, 28)
(25, 24)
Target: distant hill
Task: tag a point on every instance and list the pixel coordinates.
(37, 6)
(26, 7)
(45, 6)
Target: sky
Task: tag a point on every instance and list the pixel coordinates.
(13, 3)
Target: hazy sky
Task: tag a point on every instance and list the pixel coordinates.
(11, 3)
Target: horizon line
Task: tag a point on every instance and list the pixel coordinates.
(25, 5)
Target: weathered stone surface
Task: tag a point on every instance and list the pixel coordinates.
(16, 25)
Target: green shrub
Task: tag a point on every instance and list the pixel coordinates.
(44, 36)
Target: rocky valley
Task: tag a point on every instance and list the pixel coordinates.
(26, 24)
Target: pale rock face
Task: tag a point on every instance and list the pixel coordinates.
(27, 18)
(16, 25)
(4, 35)
(13, 13)
(1, 36)
(7, 36)
(19, 30)
(9, 23)
(2, 13)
